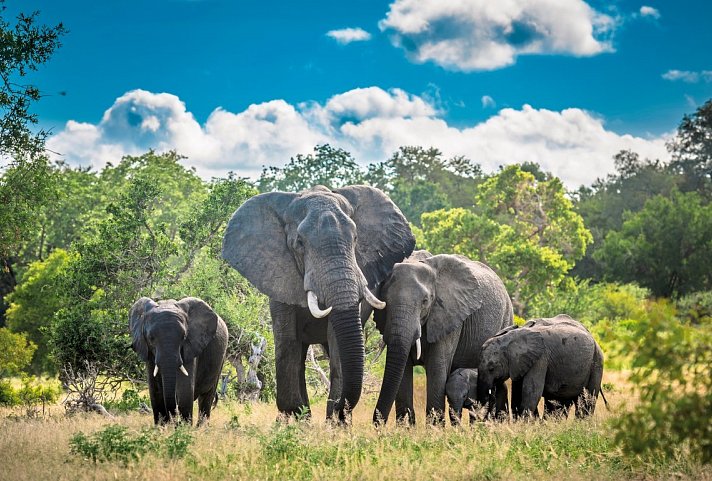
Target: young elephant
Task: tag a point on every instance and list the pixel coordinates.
(183, 344)
(556, 358)
(461, 392)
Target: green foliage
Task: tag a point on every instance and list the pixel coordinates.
(117, 443)
(329, 166)
(34, 303)
(666, 246)
(15, 352)
(525, 229)
(8, 394)
(691, 150)
(672, 364)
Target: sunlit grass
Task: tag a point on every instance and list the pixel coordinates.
(245, 442)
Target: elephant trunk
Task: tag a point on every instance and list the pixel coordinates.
(168, 379)
(347, 329)
(485, 394)
(396, 360)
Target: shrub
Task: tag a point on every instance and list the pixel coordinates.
(672, 364)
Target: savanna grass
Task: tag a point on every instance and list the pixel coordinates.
(247, 442)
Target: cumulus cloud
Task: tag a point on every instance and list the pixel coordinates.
(688, 76)
(347, 35)
(488, 102)
(370, 122)
(472, 35)
(646, 11)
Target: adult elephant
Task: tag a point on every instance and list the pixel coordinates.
(554, 358)
(452, 303)
(183, 344)
(317, 254)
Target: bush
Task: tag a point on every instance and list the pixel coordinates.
(15, 352)
(116, 443)
(672, 363)
(8, 394)
(130, 400)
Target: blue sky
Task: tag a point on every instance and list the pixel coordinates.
(562, 82)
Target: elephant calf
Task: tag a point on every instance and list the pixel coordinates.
(183, 344)
(461, 392)
(556, 358)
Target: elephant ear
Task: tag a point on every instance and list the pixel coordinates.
(137, 315)
(255, 244)
(458, 295)
(202, 324)
(384, 236)
(524, 349)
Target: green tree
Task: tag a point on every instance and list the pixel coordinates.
(665, 247)
(525, 229)
(26, 182)
(34, 302)
(691, 150)
(603, 205)
(15, 352)
(330, 166)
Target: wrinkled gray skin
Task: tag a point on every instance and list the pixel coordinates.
(172, 333)
(555, 358)
(453, 305)
(335, 244)
(461, 392)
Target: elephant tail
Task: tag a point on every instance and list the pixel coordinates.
(605, 401)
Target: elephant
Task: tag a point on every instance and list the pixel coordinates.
(317, 254)
(461, 392)
(183, 344)
(454, 305)
(555, 358)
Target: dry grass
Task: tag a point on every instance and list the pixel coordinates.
(244, 442)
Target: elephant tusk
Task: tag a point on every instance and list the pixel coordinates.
(417, 348)
(155, 371)
(489, 391)
(314, 306)
(182, 369)
(373, 300)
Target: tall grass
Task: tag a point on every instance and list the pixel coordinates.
(246, 442)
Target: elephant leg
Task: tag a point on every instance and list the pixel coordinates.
(437, 368)
(155, 391)
(587, 400)
(305, 413)
(205, 405)
(335, 380)
(405, 413)
(556, 408)
(533, 388)
(501, 407)
(289, 362)
(185, 389)
(516, 399)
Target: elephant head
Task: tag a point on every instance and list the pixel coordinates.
(433, 296)
(170, 334)
(461, 391)
(511, 353)
(324, 250)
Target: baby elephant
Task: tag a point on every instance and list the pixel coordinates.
(183, 344)
(461, 392)
(556, 358)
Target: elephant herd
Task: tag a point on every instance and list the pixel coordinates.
(327, 259)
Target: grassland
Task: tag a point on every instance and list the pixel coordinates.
(245, 442)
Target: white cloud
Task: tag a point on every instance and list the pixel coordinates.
(646, 11)
(488, 102)
(472, 35)
(347, 35)
(688, 76)
(370, 122)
